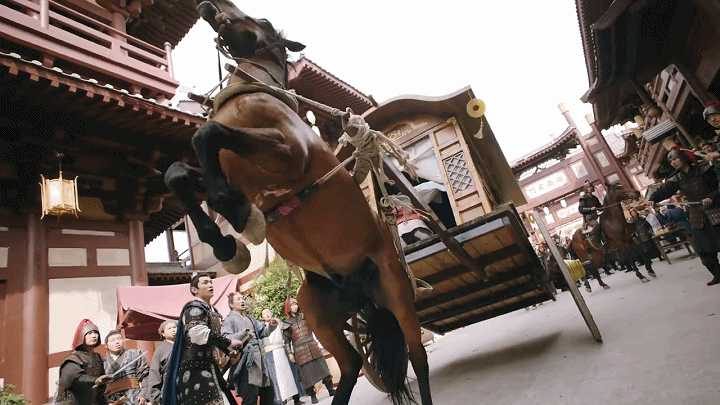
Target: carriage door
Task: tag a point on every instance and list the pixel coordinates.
(469, 196)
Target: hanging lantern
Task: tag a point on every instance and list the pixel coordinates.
(59, 196)
(563, 203)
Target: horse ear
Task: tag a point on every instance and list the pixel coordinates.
(294, 46)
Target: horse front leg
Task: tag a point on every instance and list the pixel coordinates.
(232, 204)
(184, 181)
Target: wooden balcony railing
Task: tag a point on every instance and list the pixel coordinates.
(68, 35)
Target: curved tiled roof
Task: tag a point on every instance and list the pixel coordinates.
(308, 79)
(567, 140)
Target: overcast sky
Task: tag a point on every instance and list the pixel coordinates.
(522, 57)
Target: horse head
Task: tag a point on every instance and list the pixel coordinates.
(246, 37)
(617, 192)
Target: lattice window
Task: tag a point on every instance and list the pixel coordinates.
(458, 173)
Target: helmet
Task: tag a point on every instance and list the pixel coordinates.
(711, 108)
(677, 154)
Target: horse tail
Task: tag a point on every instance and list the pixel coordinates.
(388, 353)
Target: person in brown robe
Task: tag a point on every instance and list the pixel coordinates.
(305, 351)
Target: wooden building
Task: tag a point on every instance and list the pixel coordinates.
(656, 62)
(90, 80)
(552, 176)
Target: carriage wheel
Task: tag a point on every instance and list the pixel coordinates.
(361, 343)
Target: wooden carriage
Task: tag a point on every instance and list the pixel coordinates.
(475, 252)
(460, 153)
(490, 268)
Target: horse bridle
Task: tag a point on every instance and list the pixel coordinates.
(267, 49)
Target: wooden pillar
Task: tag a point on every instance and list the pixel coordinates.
(35, 318)
(624, 179)
(172, 252)
(187, 222)
(137, 253)
(168, 57)
(138, 270)
(44, 14)
(594, 167)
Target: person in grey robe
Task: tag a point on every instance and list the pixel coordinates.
(250, 375)
(128, 369)
(153, 384)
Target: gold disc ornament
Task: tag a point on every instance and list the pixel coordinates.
(476, 108)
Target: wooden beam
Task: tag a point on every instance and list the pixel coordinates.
(487, 315)
(579, 300)
(476, 265)
(496, 256)
(471, 288)
(481, 302)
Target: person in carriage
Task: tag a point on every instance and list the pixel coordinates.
(698, 182)
(588, 208)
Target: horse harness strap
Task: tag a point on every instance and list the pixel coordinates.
(237, 89)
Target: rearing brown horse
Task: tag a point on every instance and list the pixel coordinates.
(618, 233)
(259, 161)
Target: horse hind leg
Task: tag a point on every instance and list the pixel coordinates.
(395, 291)
(317, 302)
(630, 262)
(184, 181)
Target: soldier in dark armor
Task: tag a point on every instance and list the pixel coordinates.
(305, 351)
(588, 208)
(193, 376)
(699, 184)
(82, 376)
(642, 235)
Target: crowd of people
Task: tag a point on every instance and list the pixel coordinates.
(203, 359)
(688, 200)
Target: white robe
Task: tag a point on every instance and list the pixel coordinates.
(275, 344)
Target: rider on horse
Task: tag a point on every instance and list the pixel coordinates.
(588, 207)
(699, 184)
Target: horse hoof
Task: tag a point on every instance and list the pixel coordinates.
(255, 229)
(423, 292)
(605, 286)
(240, 261)
(644, 280)
(652, 274)
(588, 289)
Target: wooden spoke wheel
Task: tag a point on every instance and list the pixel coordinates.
(361, 342)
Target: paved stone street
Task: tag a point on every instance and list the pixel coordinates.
(661, 346)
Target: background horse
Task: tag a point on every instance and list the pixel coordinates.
(617, 231)
(260, 160)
